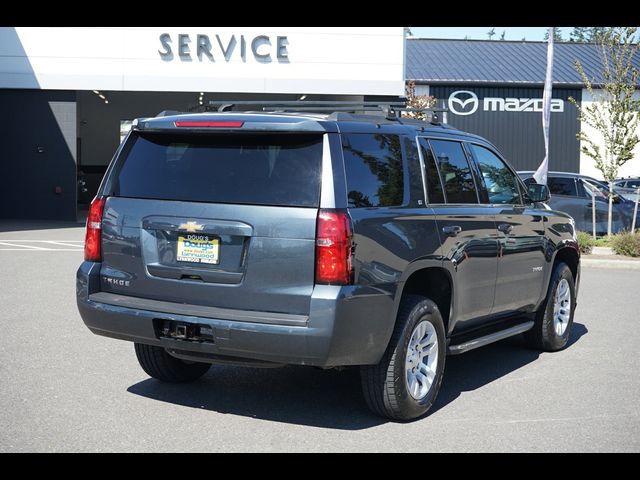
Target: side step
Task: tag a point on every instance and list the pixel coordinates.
(490, 338)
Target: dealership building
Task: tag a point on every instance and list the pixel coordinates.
(494, 89)
(68, 95)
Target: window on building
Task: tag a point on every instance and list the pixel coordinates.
(499, 180)
(373, 165)
(457, 179)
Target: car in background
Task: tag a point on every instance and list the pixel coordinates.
(627, 187)
(572, 193)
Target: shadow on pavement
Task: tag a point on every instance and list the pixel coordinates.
(328, 398)
(473, 370)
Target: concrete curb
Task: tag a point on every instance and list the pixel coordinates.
(612, 264)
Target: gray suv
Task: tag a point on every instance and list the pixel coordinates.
(328, 240)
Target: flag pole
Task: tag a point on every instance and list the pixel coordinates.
(541, 173)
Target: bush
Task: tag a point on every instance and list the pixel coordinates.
(626, 243)
(585, 242)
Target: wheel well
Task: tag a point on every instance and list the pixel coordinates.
(435, 284)
(570, 257)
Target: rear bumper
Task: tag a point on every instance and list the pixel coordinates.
(346, 325)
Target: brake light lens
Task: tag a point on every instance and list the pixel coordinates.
(203, 124)
(92, 241)
(333, 248)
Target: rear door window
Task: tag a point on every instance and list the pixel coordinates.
(374, 170)
(455, 172)
(254, 169)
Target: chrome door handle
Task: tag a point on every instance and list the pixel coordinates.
(452, 230)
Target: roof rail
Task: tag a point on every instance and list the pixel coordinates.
(168, 113)
(309, 106)
(391, 110)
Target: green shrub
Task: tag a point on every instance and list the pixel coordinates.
(585, 242)
(626, 243)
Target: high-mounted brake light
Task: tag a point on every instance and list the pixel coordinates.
(204, 124)
(92, 241)
(333, 248)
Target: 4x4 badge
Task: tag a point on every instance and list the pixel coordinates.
(190, 227)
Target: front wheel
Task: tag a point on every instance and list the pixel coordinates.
(405, 383)
(554, 319)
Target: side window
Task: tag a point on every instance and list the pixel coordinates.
(562, 186)
(455, 172)
(373, 165)
(500, 182)
(434, 187)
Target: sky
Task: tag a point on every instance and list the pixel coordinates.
(480, 33)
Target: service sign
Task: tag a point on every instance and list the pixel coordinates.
(298, 60)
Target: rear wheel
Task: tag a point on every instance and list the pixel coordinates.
(554, 319)
(159, 364)
(405, 383)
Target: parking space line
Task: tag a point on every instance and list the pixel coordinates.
(64, 244)
(41, 250)
(24, 247)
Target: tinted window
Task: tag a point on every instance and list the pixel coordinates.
(562, 186)
(500, 182)
(633, 184)
(415, 175)
(247, 169)
(434, 187)
(373, 165)
(455, 173)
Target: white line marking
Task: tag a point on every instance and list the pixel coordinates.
(41, 250)
(62, 243)
(39, 241)
(25, 247)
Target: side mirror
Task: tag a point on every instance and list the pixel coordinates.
(538, 193)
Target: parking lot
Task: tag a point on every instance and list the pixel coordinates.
(65, 389)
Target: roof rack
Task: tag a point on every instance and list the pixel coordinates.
(391, 110)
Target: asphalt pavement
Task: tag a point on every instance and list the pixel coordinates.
(64, 389)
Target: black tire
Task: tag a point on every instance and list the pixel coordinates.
(543, 335)
(159, 364)
(384, 385)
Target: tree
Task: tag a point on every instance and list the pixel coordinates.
(502, 35)
(586, 34)
(614, 113)
(491, 33)
(557, 35)
(419, 102)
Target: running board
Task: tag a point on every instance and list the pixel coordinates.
(487, 339)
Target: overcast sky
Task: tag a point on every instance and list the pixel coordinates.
(480, 33)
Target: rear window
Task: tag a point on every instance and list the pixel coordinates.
(241, 168)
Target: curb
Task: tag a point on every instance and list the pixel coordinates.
(613, 264)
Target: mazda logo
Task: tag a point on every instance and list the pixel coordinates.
(460, 106)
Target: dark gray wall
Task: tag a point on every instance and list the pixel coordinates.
(518, 135)
(33, 120)
(99, 123)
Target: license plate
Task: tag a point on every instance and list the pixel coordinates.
(198, 249)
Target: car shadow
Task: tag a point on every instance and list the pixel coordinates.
(468, 372)
(328, 398)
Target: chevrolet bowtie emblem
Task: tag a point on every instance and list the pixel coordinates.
(191, 227)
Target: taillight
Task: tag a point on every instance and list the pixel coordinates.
(333, 248)
(92, 247)
(208, 124)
